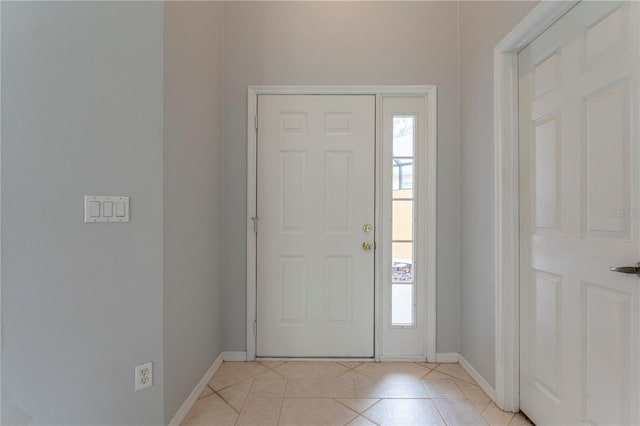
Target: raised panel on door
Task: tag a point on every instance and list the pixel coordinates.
(579, 187)
(337, 188)
(546, 334)
(339, 279)
(315, 181)
(292, 190)
(606, 171)
(607, 333)
(547, 182)
(292, 286)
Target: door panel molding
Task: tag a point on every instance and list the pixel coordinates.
(430, 93)
(506, 208)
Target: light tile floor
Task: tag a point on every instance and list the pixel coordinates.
(345, 393)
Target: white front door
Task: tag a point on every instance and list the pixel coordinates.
(579, 215)
(315, 180)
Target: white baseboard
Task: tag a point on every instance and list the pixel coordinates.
(446, 357)
(486, 387)
(195, 393)
(234, 356)
(276, 359)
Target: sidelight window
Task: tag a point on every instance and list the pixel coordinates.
(403, 222)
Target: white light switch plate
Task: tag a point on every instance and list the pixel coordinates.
(99, 208)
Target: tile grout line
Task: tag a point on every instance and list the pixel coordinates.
(229, 404)
(344, 405)
(352, 369)
(278, 373)
(273, 369)
(244, 403)
(370, 407)
(203, 397)
(451, 376)
(281, 405)
(252, 378)
(427, 373)
(349, 408)
(481, 411)
(485, 407)
(513, 415)
(473, 382)
(428, 368)
(440, 414)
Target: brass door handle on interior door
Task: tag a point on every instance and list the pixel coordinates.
(367, 245)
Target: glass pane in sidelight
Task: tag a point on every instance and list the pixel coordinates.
(403, 135)
(402, 304)
(402, 262)
(402, 175)
(402, 220)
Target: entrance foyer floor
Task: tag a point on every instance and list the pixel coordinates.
(345, 393)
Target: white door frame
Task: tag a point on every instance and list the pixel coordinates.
(507, 238)
(429, 218)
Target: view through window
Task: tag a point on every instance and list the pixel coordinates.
(402, 245)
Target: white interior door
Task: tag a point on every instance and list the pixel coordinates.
(579, 213)
(315, 280)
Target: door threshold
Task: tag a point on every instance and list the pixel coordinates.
(310, 359)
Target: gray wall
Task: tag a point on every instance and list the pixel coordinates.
(482, 26)
(340, 43)
(192, 195)
(81, 303)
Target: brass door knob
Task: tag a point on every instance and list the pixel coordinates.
(367, 245)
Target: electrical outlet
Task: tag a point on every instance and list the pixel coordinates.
(143, 376)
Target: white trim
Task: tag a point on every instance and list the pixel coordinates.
(234, 356)
(505, 76)
(276, 359)
(447, 357)
(415, 90)
(486, 387)
(252, 208)
(430, 231)
(0, 240)
(379, 270)
(186, 406)
(430, 92)
(533, 24)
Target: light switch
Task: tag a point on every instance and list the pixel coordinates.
(94, 209)
(107, 209)
(100, 208)
(120, 209)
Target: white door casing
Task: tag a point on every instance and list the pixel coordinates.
(426, 214)
(507, 237)
(579, 215)
(315, 287)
